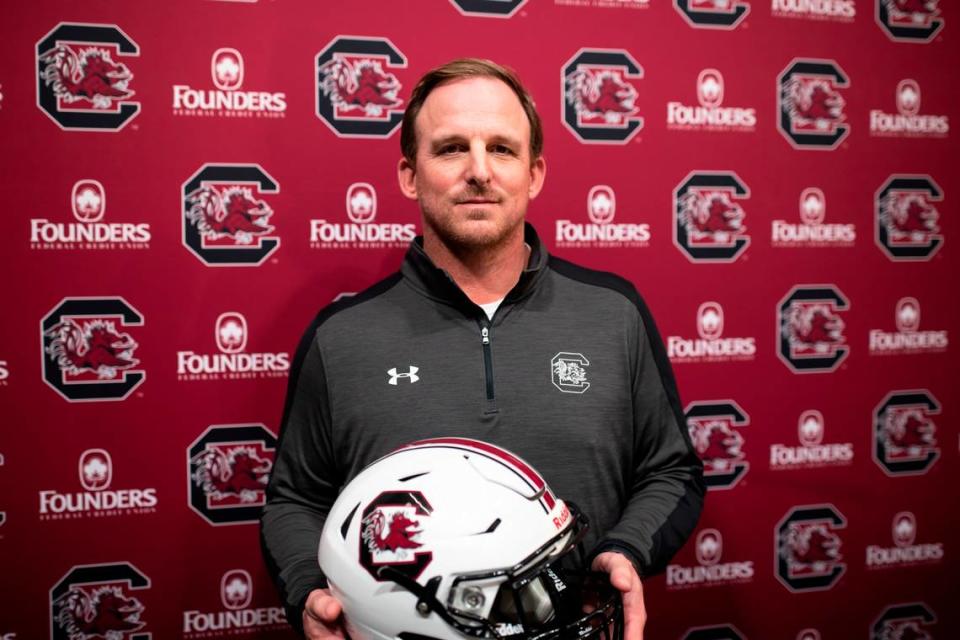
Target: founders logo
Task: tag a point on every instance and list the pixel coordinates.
(488, 8)
(906, 217)
(711, 346)
(233, 362)
(568, 372)
(812, 231)
(908, 122)
(601, 232)
(810, 105)
(227, 99)
(820, 10)
(88, 201)
(708, 219)
(236, 614)
(904, 552)
(100, 601)
(83, 82)
(909, 20)
(903, 621)
(709, 115)
(228, 467)
(908, 338)
(357, 91)
(709, 571)
(225, 220)
(904, 436)
(807, 548)
(361, 232)
(715, 432)
(812, 452)
(97, 500)
(712, 14)
(810, 330)
(599, 90)
(87, 353)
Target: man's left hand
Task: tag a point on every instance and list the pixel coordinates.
(624, 578)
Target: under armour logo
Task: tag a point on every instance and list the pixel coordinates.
(411, 375)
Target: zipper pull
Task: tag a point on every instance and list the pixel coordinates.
(485, 335)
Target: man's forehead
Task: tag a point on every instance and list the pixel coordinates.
(477, 104)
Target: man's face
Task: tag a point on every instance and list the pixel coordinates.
(473, 175)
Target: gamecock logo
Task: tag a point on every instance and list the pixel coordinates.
(225, 222)
(228, 469)
(717, 632)
(714, 430)
(712, 14)
(907, 621)
(906, 218)
(568, 372)
(488, 8)
(811, 108)
(810, 330)
(82, 83)
(87, 355)
(357, 95)
(390, 531)
(599, 94)
(904, 436)
(909, 20)
(708, 219)
(95, 601)
(807, 548)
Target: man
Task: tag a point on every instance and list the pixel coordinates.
(483, 335)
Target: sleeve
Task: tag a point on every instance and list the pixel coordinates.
(303, 485)
(666, 486)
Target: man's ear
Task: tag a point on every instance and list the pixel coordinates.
(406, 176)
(538, 173)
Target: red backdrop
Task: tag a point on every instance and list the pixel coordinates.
(187, 185)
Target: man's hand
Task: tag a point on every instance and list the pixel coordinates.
(321, 617)
(624, 578)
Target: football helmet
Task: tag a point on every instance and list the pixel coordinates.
(454, 538)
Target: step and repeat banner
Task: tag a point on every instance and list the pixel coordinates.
(187, 184)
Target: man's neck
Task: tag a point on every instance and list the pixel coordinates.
(484, 274)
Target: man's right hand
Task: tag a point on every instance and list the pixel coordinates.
(321, 617)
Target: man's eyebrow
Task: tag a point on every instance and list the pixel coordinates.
(451, 138)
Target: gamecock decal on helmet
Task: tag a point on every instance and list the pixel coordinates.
(97, 601)
(390, 530)
(356, 91)
(811, 109)
(708, 219)
(712, 14)
(807, 548)
(810, 330)
(598, 89)
(716, 632)
(714, 430)
(904, 436)
(83, 82)
(225, 221)
(909, 20)
(228, 468)
(488, 8)
(908, 621)
(906, 217)
(87, 354)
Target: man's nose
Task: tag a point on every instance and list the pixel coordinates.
(478, 171)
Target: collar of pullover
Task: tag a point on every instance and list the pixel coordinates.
(425, 276)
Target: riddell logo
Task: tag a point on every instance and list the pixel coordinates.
(807, 548)
(709, 570)
(904, 552)
(96, 500)
(909, 20)
(233, 362)
(599, 90)
(712, 14)
(237, 616)
(715, 429)
(820, 10)
(711, 346)
(601, 232)
(83, 81)
(810, 329)
(904, 435)
(708, 216)
(88, 200)
(811, 106)
(227, 72)
(908, 338)
(812, 231)
(710, 115)
(908, 122)
(902, 621)
(100, 601)
(906, 217)
(361, 232)
(812, 453)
